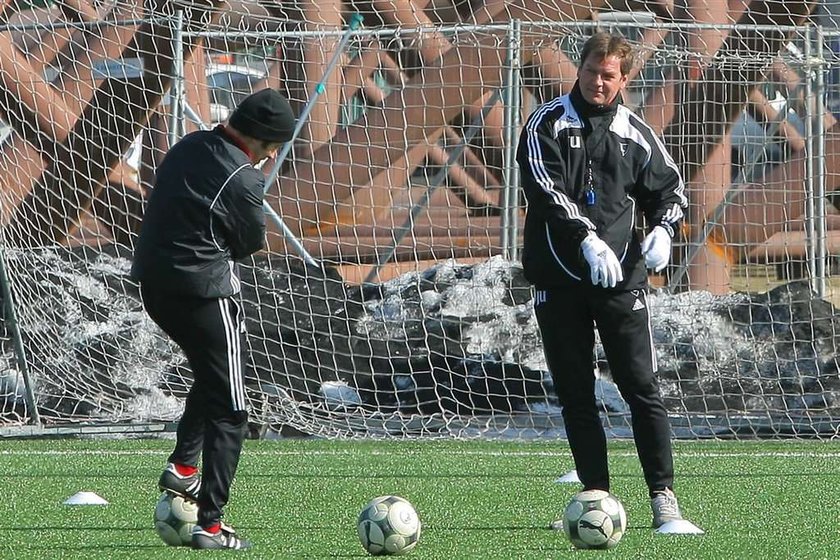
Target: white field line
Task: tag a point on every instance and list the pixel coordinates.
(450, 453)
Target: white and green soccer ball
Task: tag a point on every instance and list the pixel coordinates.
(594, 519)
(175, 518)
(388, 525)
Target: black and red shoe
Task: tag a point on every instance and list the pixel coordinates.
(186, 486)
(220, 537)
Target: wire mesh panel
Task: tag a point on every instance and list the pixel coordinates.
(388, 301)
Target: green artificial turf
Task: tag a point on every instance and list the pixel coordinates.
(476, 499)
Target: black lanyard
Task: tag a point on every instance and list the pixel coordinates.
(590, 175)
(590, 184)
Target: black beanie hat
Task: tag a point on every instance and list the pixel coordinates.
(264, 115)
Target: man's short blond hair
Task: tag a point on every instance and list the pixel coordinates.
(603, 44)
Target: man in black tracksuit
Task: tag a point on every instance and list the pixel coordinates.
(205, 212)
(587, 164)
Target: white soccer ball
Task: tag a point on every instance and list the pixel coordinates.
(388, 525)
(594, 519)
(175, 518)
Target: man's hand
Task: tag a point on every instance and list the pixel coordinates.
(606, 270)
(657, 248)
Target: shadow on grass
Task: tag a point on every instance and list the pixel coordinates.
(102, 547)
(518, 528)
(73, 528)
(816, 474)
(144, 529)
(353, 475)
(81, 474)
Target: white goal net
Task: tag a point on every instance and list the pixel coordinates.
(390, 302)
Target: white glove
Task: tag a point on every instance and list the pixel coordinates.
(657, 248)
(606, 270)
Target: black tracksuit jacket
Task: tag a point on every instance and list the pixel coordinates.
(204, 213)
(586, 169)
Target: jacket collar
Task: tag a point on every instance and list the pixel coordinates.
(222, 130)
(587, 109)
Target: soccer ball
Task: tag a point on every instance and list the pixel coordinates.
(594, 519)
(175, 518)
(388, 525)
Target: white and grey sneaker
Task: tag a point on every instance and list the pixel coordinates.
(665, 507)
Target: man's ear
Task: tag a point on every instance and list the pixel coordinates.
(624, 80)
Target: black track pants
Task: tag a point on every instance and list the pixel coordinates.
(215, 420)
(566, 321)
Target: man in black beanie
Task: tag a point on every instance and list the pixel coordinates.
(204, 213)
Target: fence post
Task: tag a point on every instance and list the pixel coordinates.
(820, 224)
(510, 173)
(814, 207)
(10, 317)
(176, 89)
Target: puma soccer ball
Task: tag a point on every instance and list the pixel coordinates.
(175, 518)
(594, 519)
(388, 525)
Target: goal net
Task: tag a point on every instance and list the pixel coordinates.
(389, 301)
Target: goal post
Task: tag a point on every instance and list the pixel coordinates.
(401, 185)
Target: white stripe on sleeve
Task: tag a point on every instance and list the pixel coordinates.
(536, 164)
